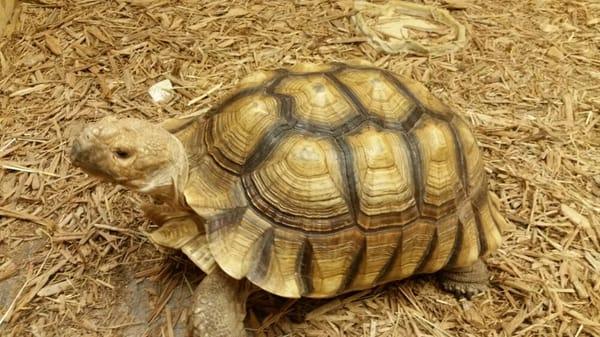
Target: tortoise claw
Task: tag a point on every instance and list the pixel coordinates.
(462, 289)
(466, 282)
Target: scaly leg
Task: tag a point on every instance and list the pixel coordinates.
(468, 281)
(219, 306)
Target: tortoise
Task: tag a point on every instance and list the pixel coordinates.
(309, 181)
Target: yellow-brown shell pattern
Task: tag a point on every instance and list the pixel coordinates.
(318, 180)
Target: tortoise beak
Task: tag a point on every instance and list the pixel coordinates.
(82, 156)
(80, 150)
(76, 151)
(85, 153)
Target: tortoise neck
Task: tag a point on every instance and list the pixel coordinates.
(171, 184)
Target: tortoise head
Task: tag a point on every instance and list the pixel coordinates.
(134, 153)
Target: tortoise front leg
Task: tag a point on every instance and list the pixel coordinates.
(468, 281)
(219, 306)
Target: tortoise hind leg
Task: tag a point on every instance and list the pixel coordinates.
(219, 306)
(467, 281)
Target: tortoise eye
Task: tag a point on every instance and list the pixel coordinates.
(122, 154)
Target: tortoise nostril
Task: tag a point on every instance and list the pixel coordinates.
(89, 134)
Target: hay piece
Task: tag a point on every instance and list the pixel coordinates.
(577, 219)
(8, 269)
(25, 216)
(55, 288)
(7, 13)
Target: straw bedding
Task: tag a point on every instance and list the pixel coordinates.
(74, 259)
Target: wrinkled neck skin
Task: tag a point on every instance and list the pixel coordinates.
(168, 185)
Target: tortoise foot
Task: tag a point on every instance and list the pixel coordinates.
(466, 282)
(219, 307)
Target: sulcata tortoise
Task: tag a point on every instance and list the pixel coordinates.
(310, 181)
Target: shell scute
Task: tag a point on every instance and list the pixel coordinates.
(440, 168)
(384, 181)
(377, 94)
(238, 129)
(318, 102)
(300, 185)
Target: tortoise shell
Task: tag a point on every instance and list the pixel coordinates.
(322, 179)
